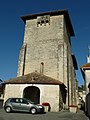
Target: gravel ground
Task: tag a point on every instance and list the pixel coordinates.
(62, 115)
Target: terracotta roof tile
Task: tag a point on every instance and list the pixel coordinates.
(85, 66)
(34, 78)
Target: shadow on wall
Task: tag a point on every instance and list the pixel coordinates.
(1, 104)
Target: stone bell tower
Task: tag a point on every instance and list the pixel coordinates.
(47, 47)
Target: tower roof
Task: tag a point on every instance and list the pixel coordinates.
(53, 13)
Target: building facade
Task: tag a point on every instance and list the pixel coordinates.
(46, 50)
(85, 69)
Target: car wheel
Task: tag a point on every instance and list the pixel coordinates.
(8, 109)
(33, 111)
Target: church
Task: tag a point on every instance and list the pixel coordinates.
(46, 64)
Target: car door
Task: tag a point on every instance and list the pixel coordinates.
(24, 105)
(15, 102)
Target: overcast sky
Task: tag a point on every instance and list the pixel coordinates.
(12, 30)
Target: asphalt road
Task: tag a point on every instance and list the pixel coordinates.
(63, 115)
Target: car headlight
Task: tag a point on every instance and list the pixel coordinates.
(40, 106)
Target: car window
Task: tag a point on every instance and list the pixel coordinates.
(13, 100)
(23, 101)
(19, 100)
(30, 101)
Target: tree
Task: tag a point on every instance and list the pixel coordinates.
(1, 87)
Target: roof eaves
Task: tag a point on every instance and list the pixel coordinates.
(86, 66)
(27, 79)
(52, 13)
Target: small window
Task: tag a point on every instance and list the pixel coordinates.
(42, 67)
(42, 20)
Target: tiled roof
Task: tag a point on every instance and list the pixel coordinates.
(34, 78)
(83, 68)
(86, 66)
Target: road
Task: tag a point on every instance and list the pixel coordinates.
(63, 115)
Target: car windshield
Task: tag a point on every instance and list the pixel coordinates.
(30, 101)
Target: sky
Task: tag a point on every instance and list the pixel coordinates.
(12, 30)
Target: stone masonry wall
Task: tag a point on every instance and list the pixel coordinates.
(48, 51)
(48, 93)
(45, 45)
(69, 70)
(12, 90)
(87, 75)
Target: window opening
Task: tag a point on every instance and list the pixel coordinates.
(42, 67)
(43, 20)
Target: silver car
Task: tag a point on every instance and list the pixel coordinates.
(22, 105)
